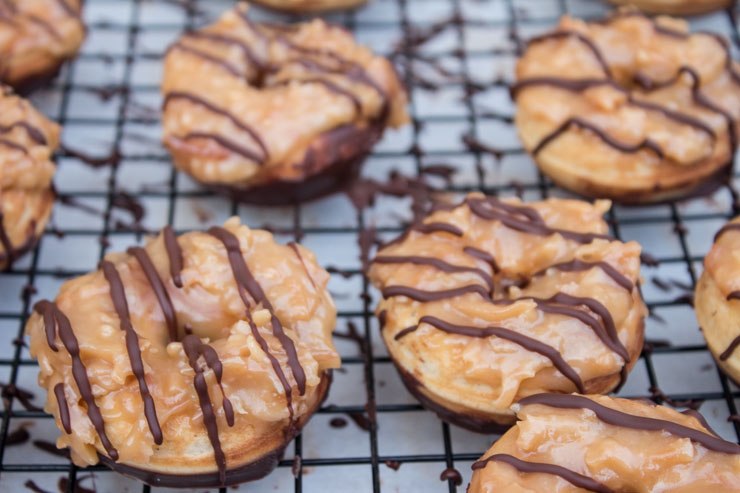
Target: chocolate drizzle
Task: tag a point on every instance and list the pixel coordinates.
(526, 342)
(624, 420)
(438, 264)
(118, 297)
(194, 349)
(165, 303)
(174, 254)
(53, 315)
(580, 265)
(576, 479)
(63, 407)
(247, 284)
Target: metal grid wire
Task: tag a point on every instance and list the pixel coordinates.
(107, 99)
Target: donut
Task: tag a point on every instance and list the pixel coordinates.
(676, 7)
(491, 300)
(716, 299)
(274, 114)
(571, 443)
(27, 141)
(629, 108)
(310, 5)
(36, 38)
(190, 362)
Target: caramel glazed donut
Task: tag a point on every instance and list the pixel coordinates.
(27, 141)
(573, 443)
(36, 38)
(191, 362)
(489, 301)
(310, 5)
(629, 108)
(716, 299)
(676, 7)
(275, 114)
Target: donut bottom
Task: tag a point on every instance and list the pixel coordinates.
(719, 322)
(706, 178)
(676, 7)
(331, 164)
(305, 6)
(256, 468)
(38, 78)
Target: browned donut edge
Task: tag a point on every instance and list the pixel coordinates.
(252, 471)
(330, 163)
(35, 81)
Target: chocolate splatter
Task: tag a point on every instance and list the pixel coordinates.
(393, 464)
(338, 423)
(451, 474)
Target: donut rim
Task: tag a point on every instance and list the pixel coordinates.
(305, 7)
(255, 469)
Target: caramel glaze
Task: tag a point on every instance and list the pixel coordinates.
(55, 320)
(528, 220)
(256, 72)
(580, 85)
(734, 295)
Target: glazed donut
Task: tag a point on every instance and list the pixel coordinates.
(275, 114)
(310, 5)
(572, 443)
(676, 7)
(489, 301)
(36, 38)
(716, 300)
(629, 108)
(190, 362)
(27, 141)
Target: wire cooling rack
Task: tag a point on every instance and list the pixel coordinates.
(108, 100)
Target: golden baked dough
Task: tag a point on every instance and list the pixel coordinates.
(573, 443)
(36, 38)
(275, 114)
(629, 108)
(717, 299)
(310, 5)
(493, 300)
(676, 7)
(120, 356)
(27, 141)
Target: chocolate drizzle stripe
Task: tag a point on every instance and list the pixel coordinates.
(484, 256)
(63, 407)
(624, 420)
(575, 121)
(165, 303)
(574, 478)
(194, 348)
(580, 37)
(330, 86)
(526, 342)
(219, 111)
(209, 58)
(49, 311)
(13, 145)
(6, 242)
(34, 133)
(429, 296)
(118, 297)
(726, 228)
(438, 264)
(294, 246)
(225, 143)
(490, 209)
(249, 56)
(577, 265)
(437, 227)
(174, 254)
(246, 282)
(730, 349)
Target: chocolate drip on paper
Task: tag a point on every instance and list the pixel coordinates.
(51, 313)
(63, 407)
(118, 297)
(163, 297)
(246, 283)
(624, 420)
(194, 349)
(174, 254)
(526, 342)
(576, 479)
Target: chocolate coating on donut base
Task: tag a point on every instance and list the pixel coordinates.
(38, 80)
(252, 471)
(332, 162)
(477, 424)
